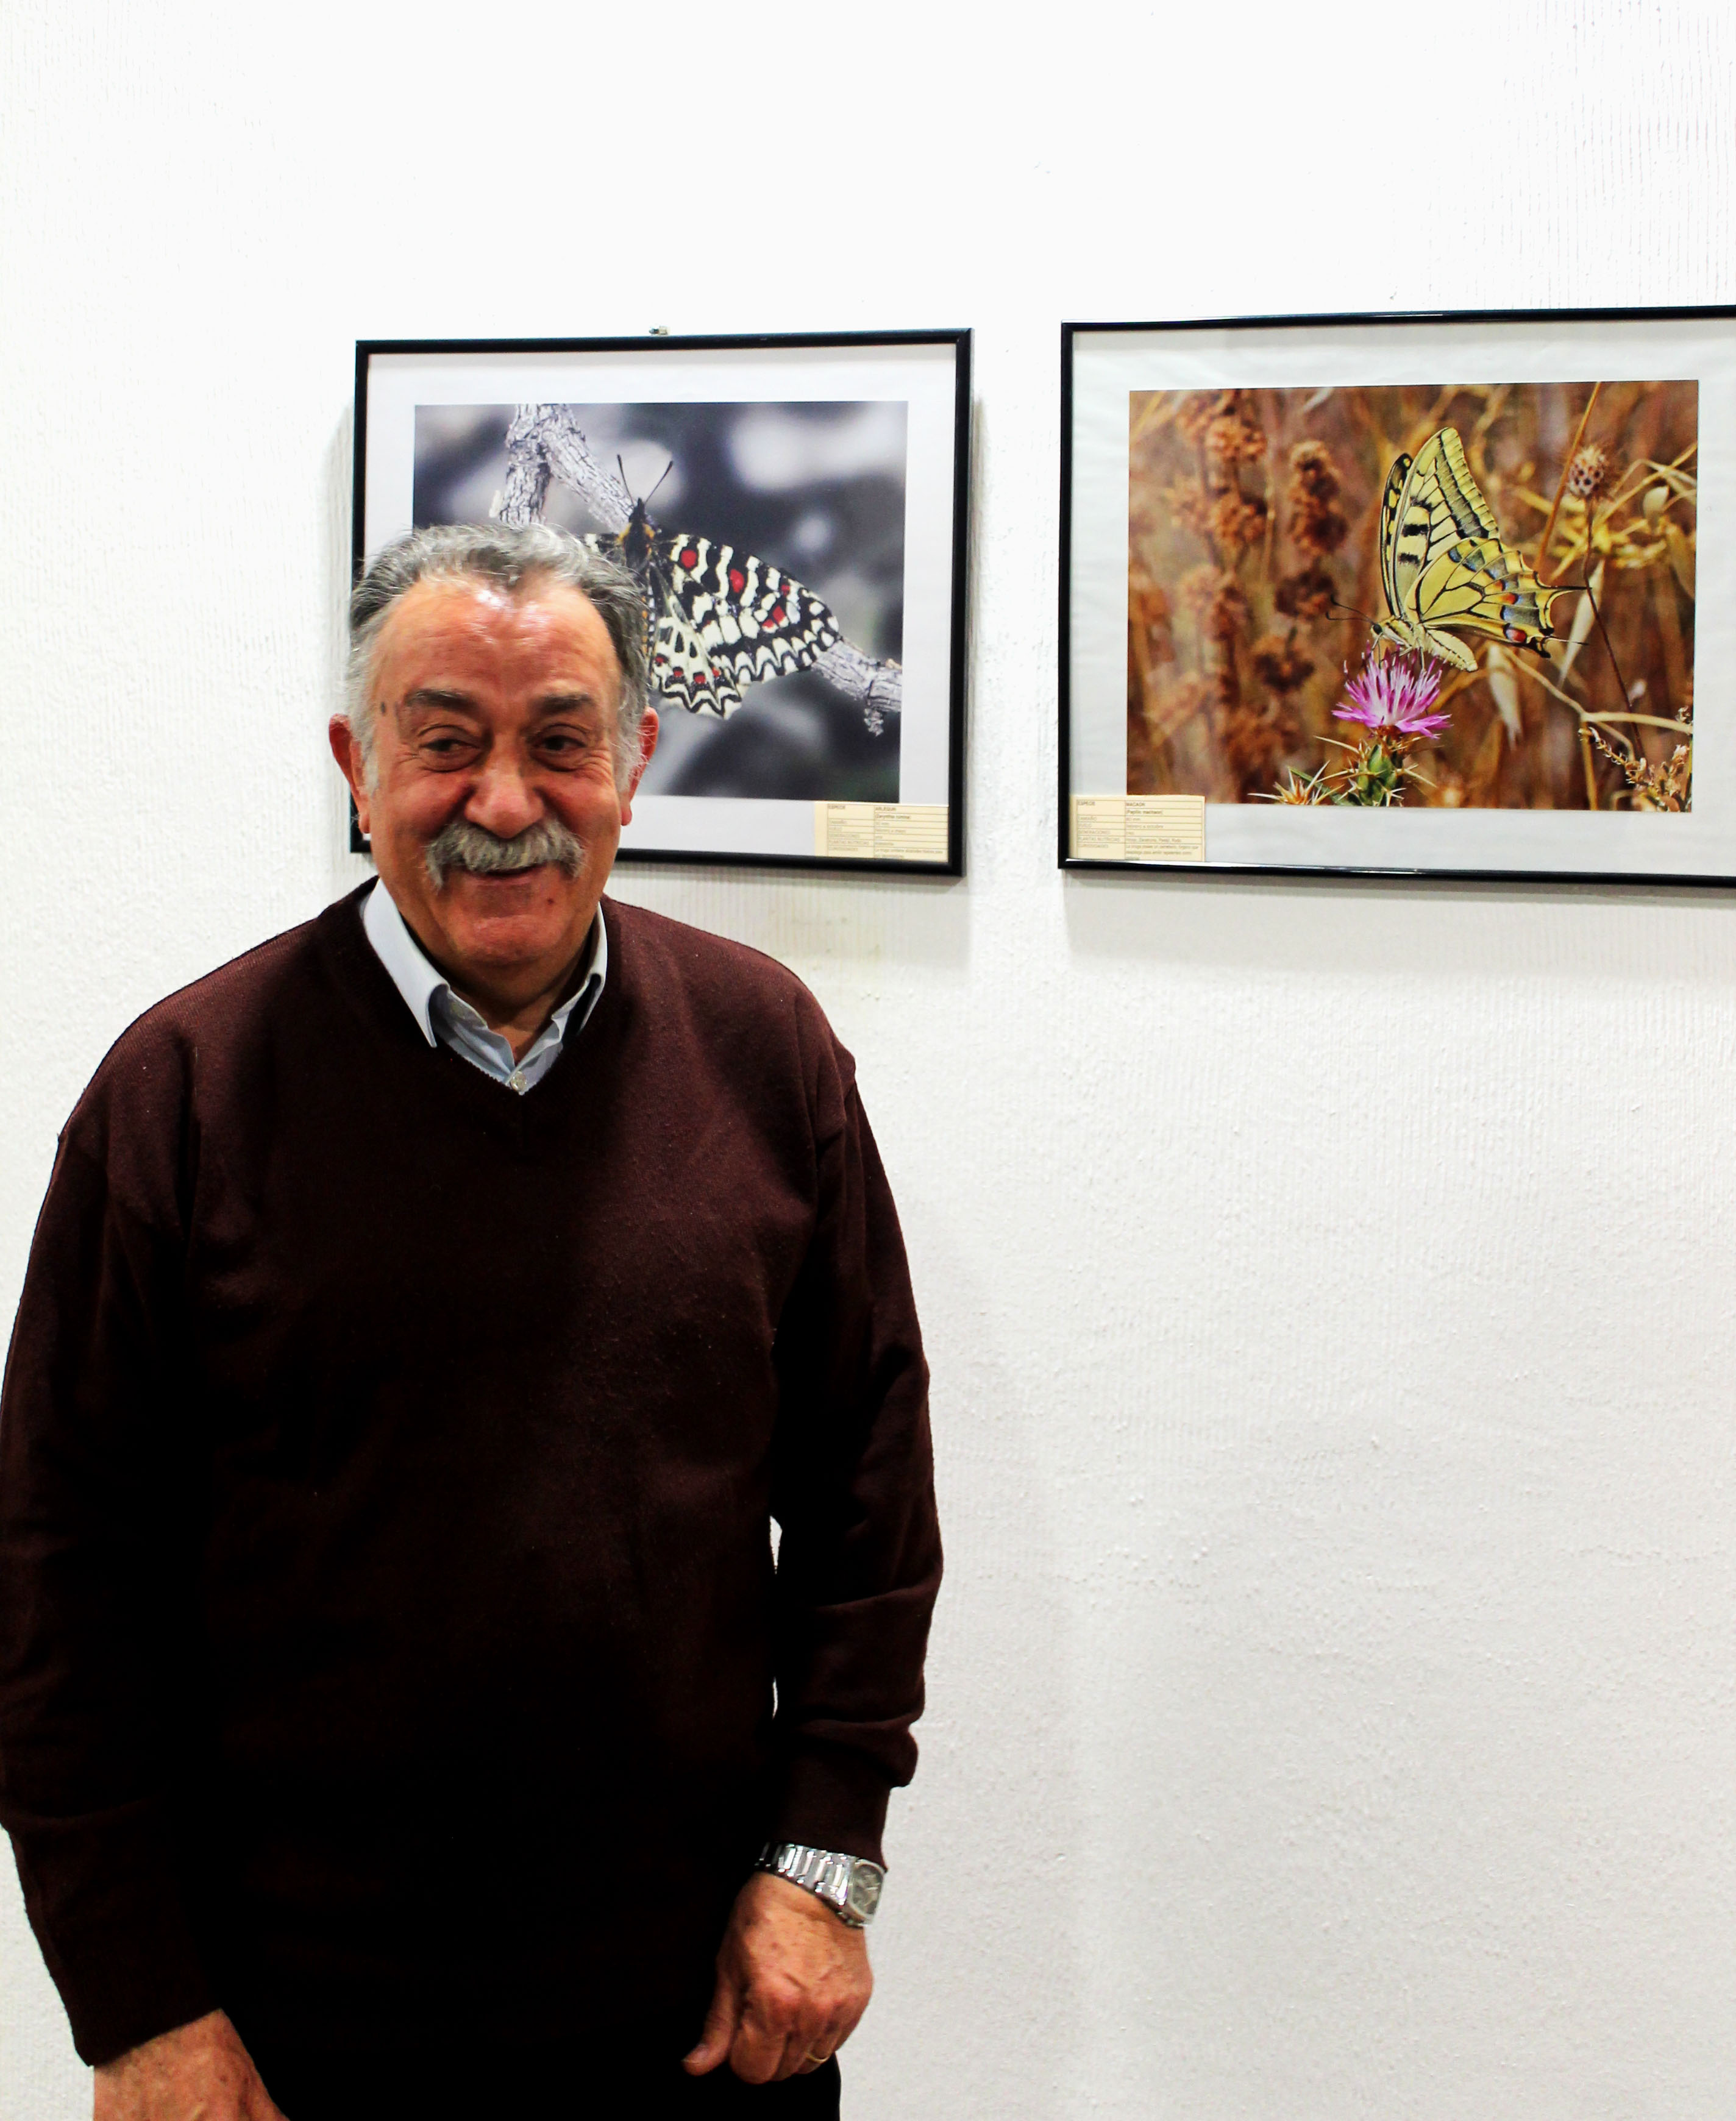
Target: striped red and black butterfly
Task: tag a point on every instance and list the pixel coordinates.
(717, 620)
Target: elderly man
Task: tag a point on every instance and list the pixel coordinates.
(401, 1711)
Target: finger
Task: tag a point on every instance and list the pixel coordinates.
(824, 2039)
(769, 2046)
(757, 2055)
(721, 2021)
(807, 2049)
(848, 2018)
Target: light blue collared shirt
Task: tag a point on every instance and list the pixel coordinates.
(449, 1018)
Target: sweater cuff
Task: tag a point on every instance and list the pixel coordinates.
(832, 1797)
(107, 1908)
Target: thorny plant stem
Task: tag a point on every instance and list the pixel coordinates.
(1555, 506)
(1585, 715)
(1647, 472)
(1597, 611)
(1627, 698)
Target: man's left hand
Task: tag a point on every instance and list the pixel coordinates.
(792, 1981)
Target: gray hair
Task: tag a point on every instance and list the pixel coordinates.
(513, 558)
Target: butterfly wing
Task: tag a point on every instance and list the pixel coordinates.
(1392, 506)
(677, 652)
(727, 620)
(1480, 585)
(1444, 458)
(1417, 521)
(683, 669)
(1443, 564)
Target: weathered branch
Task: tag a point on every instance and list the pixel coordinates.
(544, 443)
(878, 688)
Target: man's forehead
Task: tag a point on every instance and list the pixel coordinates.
(468, 616)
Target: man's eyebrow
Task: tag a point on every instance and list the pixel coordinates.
(452, 698)
(564, 703)
(438, 696)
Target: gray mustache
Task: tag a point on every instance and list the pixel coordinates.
(463, 846)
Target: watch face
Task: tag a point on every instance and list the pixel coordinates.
(864, 1890)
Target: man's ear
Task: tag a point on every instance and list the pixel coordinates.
(647, 745)
(347, 750)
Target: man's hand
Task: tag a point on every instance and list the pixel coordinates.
(792, 1981)
(198, 2072)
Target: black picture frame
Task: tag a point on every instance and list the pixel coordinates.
(930, 672)
(1712, 365)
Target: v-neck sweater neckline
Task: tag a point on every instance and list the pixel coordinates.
(374, 995)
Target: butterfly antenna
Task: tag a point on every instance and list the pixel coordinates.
(667, 469)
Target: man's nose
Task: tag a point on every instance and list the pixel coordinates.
(502, 801)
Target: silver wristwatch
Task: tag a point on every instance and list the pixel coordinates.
(849, 1885)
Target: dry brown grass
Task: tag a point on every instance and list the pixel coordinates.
(1254, 574)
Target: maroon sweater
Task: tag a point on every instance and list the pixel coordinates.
(389, 1626)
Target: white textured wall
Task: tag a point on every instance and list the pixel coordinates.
(1328, 1287)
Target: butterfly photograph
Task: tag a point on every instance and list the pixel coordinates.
(762, 535)
(1435, 595)
(1429, 594)
(792, 511)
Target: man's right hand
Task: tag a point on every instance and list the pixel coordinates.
(198, 2072)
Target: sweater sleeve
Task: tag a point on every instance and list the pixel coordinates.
(93, 1612)
(859, 1559)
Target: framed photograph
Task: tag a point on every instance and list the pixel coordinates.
(796, 509)
(1402, 595)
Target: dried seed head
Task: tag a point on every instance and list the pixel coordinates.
(1253, 742)
(1309, 594)
(1666, 787)
(1187, 503)
(1588, 475)
(1197, 587)
(1233, 439)
(1279, 664)
(1315, 526)
(1228, 615)
(1237, 520)
(1318, 531)
(1312, 472)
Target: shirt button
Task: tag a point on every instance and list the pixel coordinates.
(516, 1078)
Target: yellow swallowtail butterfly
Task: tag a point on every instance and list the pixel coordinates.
(1444, 566)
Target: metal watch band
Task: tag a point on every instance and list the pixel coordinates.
(849, 1885)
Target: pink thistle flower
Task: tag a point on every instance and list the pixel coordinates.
(1393, 695)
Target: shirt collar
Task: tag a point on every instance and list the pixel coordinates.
(418, 982)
